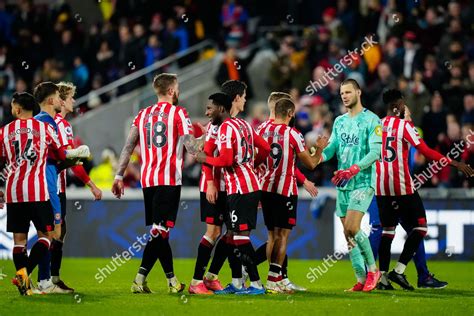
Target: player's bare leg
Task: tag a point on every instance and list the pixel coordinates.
(360, 251)
(204, 255)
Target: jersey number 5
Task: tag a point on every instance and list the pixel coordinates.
(391, 153)
(157, 134)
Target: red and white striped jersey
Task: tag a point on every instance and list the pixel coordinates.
(285, 142)
(66, 137)
(393, 174)
(25, 144)
(263, 125)
(210, 148)
(238, 135)
(161, 127)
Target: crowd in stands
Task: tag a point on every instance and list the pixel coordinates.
(424, 48)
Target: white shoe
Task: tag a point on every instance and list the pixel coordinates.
(274, 288)
(291, 286)
(49, 288)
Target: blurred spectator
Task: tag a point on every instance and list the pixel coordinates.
(103, 174)
(153, 50)
(432, 76)
(468, 114)
(233, 67)
(234, 17)
(335, 26)
(434, 121)
(411, 58)
(80, 76)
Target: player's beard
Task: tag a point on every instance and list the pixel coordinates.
(352, 103)
(175, 99)
(292, 122)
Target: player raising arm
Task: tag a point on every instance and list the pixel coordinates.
(279, 190)
(396, 194)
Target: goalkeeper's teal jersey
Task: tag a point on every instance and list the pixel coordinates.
(356, 140)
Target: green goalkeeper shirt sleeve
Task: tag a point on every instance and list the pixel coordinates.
(375, 145)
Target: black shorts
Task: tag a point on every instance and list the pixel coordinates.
(161, 205)
(279, 210)
(408, 209)
(242, 211)
(19, 216)
(62, 200)
(214, 214)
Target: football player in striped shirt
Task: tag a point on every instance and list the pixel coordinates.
(264, 251)
(240, 149)
(397, 198)
(213, 199)
(47, 95)
(161, 130)
(65, 135)
(356, 140)
(279, 188)
(27, 144)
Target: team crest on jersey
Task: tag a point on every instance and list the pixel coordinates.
(68, 130)
(223, 138)
(215, 129)
(378, 130)
(188, 121)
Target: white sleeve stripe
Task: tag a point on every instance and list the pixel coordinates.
(412, 134)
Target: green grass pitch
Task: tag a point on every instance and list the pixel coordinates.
(325, 296)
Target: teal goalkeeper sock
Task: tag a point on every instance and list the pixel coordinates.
(357, 264)
(364, 244)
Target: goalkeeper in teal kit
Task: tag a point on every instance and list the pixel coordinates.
(356, 141)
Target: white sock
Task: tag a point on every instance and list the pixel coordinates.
(195, 282)
(361, 280)
(237, 283)
(211, 276)
(140, 278)
(372, 268)
(400, 268)
(256, 284)
(173, 281)
(45, 283)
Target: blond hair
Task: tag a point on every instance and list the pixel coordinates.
(65, 89)
(162, 82)
(275, 96)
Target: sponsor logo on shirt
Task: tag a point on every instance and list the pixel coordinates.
(350, 139)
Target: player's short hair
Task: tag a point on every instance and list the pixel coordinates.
(43, 90)
(283, 107)
(65, 89)
(353, 82)
(277, 95)
(162, 82)
(233, 88)
(221, 99)
(391, 97)
(25, 100)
